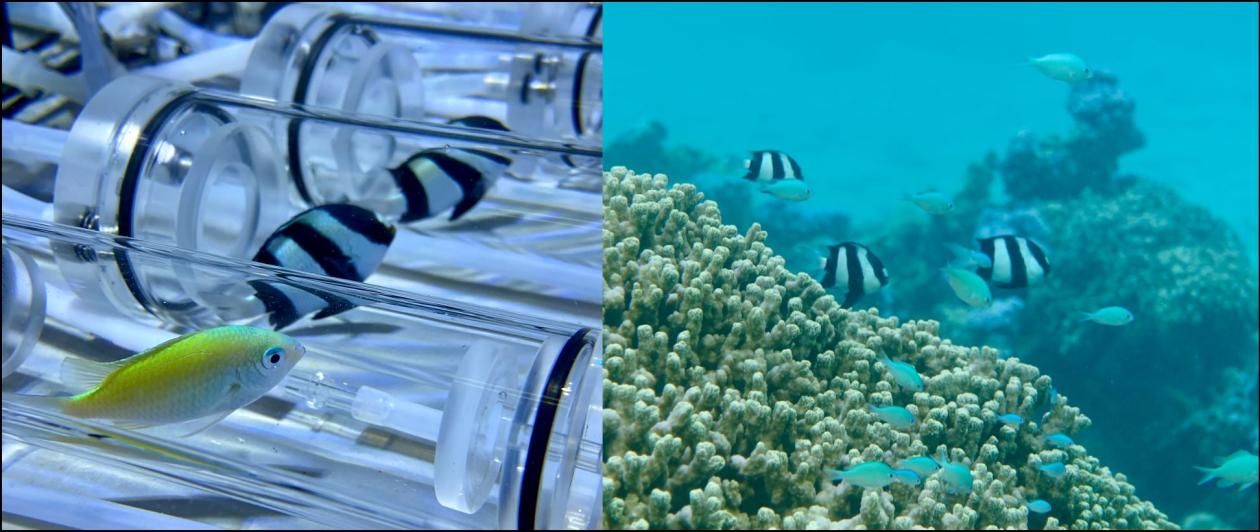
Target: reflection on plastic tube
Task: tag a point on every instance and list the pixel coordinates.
(409, 412)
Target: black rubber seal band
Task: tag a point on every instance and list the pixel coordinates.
(127, 193)
(536, 457)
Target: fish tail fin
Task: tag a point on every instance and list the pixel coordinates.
(1209, 474)
(1084, 316)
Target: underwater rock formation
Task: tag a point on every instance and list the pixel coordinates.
(1038, 168)
(732, 385)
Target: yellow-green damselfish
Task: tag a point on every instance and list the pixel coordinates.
(195, 380)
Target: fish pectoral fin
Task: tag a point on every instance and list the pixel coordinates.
(185, 428)
(132, 425)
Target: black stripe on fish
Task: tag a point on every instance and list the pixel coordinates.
(480, 122)
(525, 87)
(1039, 256)
(856, 262)
(361, 221)
(467, 176)
(877, 266)
(986, 247)
(1019, 270)
(796, 168)
(776, 161)
(413, 192)
(856, 281)
(280, 309)
(754, 166)
(829, 267)
(327, 253)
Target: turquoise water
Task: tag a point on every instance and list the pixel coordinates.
(878, 100)
(875, 100)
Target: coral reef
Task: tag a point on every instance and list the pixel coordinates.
(1056, 167)
(1112, 240)
(732, 384)
(800, 238)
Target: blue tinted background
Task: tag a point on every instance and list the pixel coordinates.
(874, 100)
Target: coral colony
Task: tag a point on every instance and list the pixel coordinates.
(735, 390)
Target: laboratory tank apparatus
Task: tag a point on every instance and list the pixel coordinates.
(405, 412)
(543, 78)
(165, 162)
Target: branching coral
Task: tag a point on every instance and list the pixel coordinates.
(731, 384)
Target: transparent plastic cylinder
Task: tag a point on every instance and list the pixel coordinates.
(405, 412)
(164, 162)
(567, 19)
(376, 60)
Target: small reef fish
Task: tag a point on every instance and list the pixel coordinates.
(906, 476)
(931, 202)
(903, 374)
(853, 267)
(1114, 316)
(1017, 261)
(957, 477)
(770, 165)
(968, 258)
(865, 475)
(1059, 440)
(896, 416)
(1054, 470)
(788, 189)
(1238, 468)
(1040, 506)
(193, 380)
(968, 286)
(923, 465)
(343, 241)
(1011, 419)
(1062, 67)
(438, 179)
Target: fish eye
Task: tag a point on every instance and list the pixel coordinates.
(272, 357)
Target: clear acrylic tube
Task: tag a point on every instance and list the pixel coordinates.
(545, 79)
(165, 162)
(406, 412)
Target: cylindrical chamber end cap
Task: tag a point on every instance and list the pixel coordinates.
(23, 307)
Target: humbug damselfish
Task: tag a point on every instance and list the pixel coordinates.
(337, 240)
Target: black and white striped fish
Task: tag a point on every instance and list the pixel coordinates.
(855, 269)
(1016, 261)
(769, 165)
(438, 179)
(337, 240)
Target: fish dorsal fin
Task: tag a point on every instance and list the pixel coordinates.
(1222, 459)
(83, 374)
